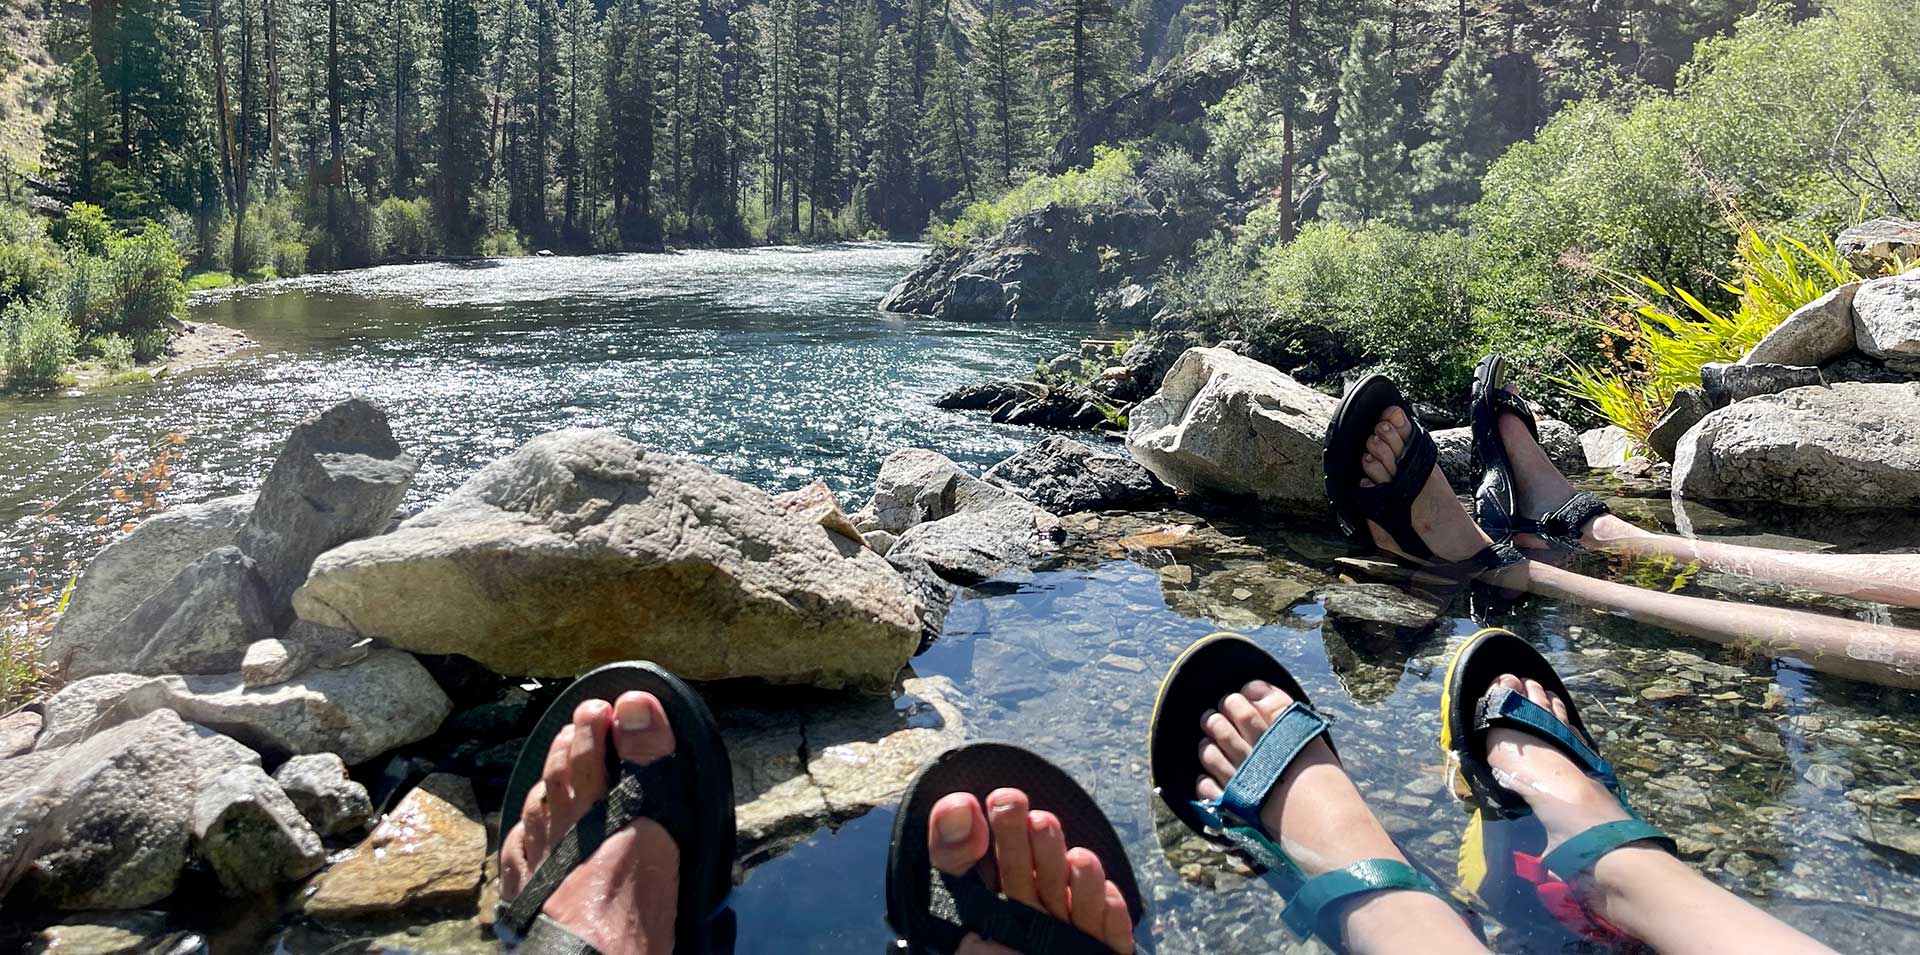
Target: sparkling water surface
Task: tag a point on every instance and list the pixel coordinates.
(1792, 788)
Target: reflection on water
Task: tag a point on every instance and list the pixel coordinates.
(1792, 788)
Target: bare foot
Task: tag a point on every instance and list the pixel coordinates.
(1438, 517)
(1035, 866)
(1563, 797)
(622, 899)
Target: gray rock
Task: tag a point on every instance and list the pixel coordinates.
(359, 711)
(1063, 476)
(271, 661)
(1726, 384)
(932, 594)
(199, 622)
(1858, 368)
(103, 823)
(1378, 604)
(1877, 243)
(583, 548)
(124, 575)
(1226, 424)
(320, 788)
(327, 647)
(338, 478)
(1886, 318)
(880, 542)
(974, 298)
(1606, 447)
(1689, 405)
(1456, 455)
(981, 542)
(1063, 364)
(18, 731)
(249, 833)
(916, 485)
(1151, 356)
(1814, 334)
(1850, 445)
(1129, 304)
(137, 932)
(1565, 446)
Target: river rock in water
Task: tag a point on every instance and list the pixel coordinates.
(1064, 476)
(583, 548)
(428, 853)
(1848, 445)
(338, 478)
(982, 541)
(130, 570)
(1223, 423)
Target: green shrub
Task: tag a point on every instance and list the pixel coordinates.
(35, 346)
(249, 256)
(115, 351)
(501, 245)
(290, 258)
(152, 343)
(405, 227)
(1106, 183)
(85, 230)
(30, 263)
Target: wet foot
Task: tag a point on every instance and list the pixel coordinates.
(1564, 798)
(1035, 866)
(622, 899)
(1438, 517)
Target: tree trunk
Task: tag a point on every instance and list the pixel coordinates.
(1286, 129)
(336, 162)
(229, 173)
(273, 98)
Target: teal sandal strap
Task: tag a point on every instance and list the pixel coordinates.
(1578, 855)
(1511, 708)
(1320, 898)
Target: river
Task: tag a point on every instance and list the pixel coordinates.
(1792, 788)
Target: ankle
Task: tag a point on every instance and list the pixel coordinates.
(1632, 884)
(1405, 921)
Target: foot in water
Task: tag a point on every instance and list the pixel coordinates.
(1566, 800)
(1321, 821)
(1438, 517)
(622, 898)
(1035, 866)
(1539, 488)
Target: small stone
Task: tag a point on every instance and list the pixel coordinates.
(1691, 848)
(1118, 662)
(269, 662)
(17, 731)
(1665, 690)
(319, 786)
(1177, 574)
(1828, 776)
(249, 833)
(1241, 593)
(428, 853)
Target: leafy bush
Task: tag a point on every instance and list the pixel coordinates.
(290, 258)
(405, 227)
(249, 256)
(30, 263)
(115, 351)
(1106, 183)
(85, 230)
(152, 343)
(501, 245)
(35, 346)
(135, 291)
(1177, 178)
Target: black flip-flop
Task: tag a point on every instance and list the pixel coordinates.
(690, 793)
(1503, 861)
(1389, 505)
(934, 911)
(1207, 671)
(1496, 500)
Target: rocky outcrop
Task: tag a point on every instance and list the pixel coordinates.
(1063, 476)
(1226, 424)
(1886, 319)
(1179, 94)
(427, 854)
(1848, 445)
(249, 833)
(124, 575)
(583, 548)
(338, 478)
(1876, 244)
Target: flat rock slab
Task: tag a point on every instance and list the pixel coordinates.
(1063, 476)
(583, 548)
(1381, 604)
(428, 854)
(135, 932)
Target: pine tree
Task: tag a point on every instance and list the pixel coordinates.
(1466, 138)
(628, 134)
(1001, 64)
(81, 136)
(459, 125)
(677, 64)
(947, 127)
(887, 186)
(742, 73)
(579, 63)
(1364, 180)
(1089, 50)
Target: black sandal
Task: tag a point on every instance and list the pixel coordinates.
(933, 911)
(690, 793)
(1389, 505)
(1496, 502)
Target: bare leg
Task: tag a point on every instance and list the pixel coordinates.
(1849, 648)
(1644, 891)
(1321, 820)
(1883, 578)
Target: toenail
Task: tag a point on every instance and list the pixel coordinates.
(637, 718)
(954, 827)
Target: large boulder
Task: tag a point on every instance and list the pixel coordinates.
(199, 622)
(978, 543)
(583, 548)
(131, 569)
(1886, 319)
(428, 853)
(1878, 243)
(1224, 423)
(104, 823)
(338, 478)
(249, 833)
(1814, 334)
(359, 711)
(1063, 476)
(975, 298)
(1848, 445)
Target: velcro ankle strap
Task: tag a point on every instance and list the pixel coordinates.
(1318, 901)
(1578, 855)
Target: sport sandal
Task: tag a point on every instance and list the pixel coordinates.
(1502, 859)
(689, 793)
(1209, 670)
(1496, 500)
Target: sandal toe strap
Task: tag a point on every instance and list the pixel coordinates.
(966, 901)
(1277, 748)
(1390, 505)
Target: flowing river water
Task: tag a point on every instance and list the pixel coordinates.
(1792, 788)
